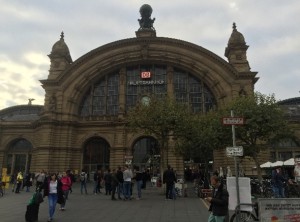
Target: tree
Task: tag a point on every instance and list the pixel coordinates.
(200, 135)
(161, 118)
(264, 122)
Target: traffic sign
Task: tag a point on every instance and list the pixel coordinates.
(233, 121)
(235, 151)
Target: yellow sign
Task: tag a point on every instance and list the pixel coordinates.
(4, 172)
(5, 180)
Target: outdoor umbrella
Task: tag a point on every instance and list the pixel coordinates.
(266, 165)
(289, 162)
(277, 163)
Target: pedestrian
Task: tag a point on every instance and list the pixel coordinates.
(218, 202)
(53, 189)
(72, 177)
(145, 177)
(19, 182)
(66, 184)
(169, 179)
(297, 169)
(139, 182)
(97, 180)
(119, 175)
(278, 181)
(114, 184)
(28, 182)
(127, 177)
(83, 180)
(107, 182)
(32, 211)
(40, 179)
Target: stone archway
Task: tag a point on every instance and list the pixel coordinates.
(96, 154)
(145, 153)
(18, 156)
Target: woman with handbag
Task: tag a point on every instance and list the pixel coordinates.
(53, 189)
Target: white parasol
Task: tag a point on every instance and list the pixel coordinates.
(277, 163)
(289, 162)
(266, 165)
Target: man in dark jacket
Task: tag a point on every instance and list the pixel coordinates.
(169, 179)
(218, 201)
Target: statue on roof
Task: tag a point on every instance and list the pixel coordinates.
(146, 22)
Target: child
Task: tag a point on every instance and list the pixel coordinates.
(32, 212)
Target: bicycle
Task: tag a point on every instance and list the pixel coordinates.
(246, 215)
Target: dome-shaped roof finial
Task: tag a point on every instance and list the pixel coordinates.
(62, 35)
(234, 26)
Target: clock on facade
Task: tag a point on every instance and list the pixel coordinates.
(145, 100)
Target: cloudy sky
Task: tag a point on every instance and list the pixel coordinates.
(30, 28)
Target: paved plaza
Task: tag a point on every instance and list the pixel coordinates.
(91, 208)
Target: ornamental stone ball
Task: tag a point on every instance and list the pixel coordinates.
(146, 22)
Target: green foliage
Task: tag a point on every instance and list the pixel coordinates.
(264, 121)
(160, 118)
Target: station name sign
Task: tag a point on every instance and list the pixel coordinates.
(145, 82)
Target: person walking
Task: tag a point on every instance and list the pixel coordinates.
(218, 202)
(83, 180)
(139, 182)
(19, 182)
(66, 184)
(297, 169)
(278, 183)
(114, 184)
(119, 175)
(127, 177)
(72, 177)
(169, 179)
(97, 181)
(107, 181)
(53, 189)
(28, 182)
(40, 179)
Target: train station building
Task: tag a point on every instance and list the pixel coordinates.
(82, 122)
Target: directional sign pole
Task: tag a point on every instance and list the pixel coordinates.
(236, 168)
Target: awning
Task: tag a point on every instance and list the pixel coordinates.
(289, 162)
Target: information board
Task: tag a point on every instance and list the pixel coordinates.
(245, 192)
(279, 209)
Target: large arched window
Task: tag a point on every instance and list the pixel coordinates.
(145, 80)
(102, 98)
(189, 89)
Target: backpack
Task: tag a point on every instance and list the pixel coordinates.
(82, 176)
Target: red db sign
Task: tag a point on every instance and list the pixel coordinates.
(145, 75)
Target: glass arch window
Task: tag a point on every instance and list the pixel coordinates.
(191, 90)
(102, 98)
(143, 80)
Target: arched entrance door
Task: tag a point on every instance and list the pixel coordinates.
(146, 154)
(95, 155)
(18, 156)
